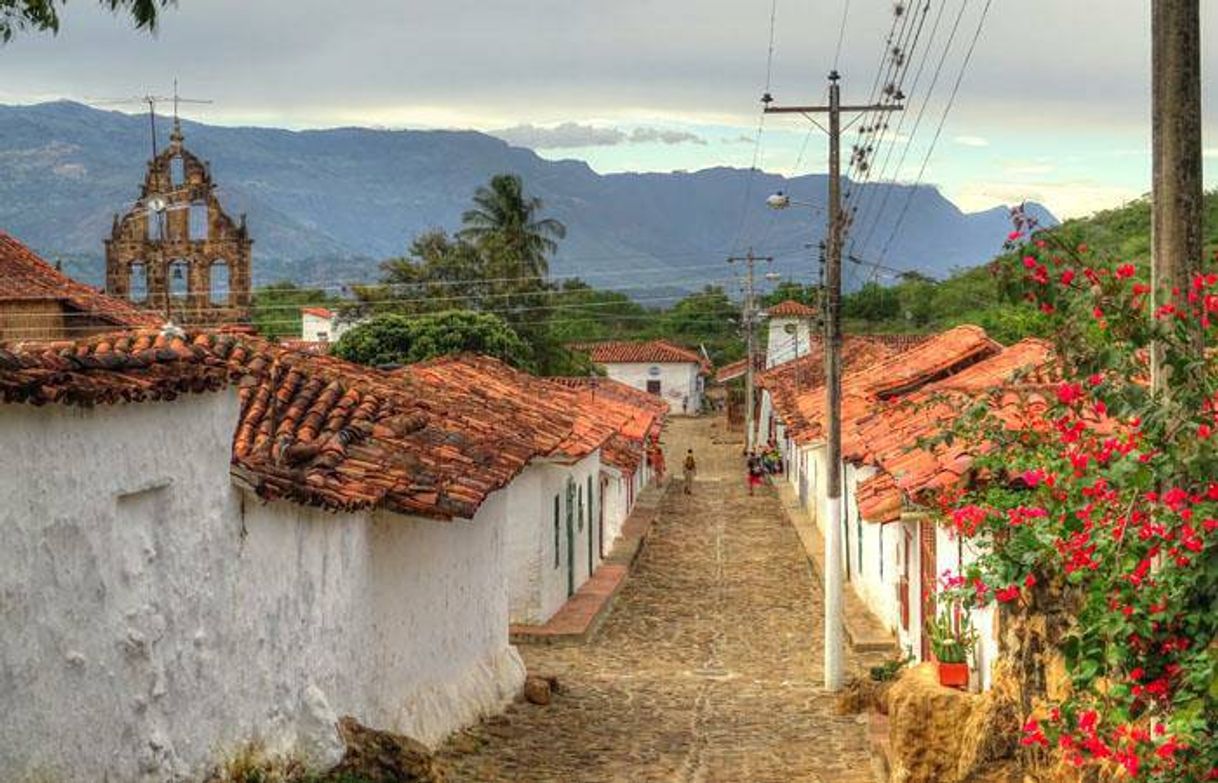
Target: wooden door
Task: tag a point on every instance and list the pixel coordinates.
(903, 585)
(926, 549)
(570, 537)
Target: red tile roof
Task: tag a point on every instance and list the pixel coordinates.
(790, 384)
(738, 368)
(495, 396)
(888, 437)
(875, 376)
(790, 309)
(434, 440)
(320, 312)
(306, 346)
(648, 351)
(24, 277)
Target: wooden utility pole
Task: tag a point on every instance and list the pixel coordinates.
(749, 315)
(1176, 200)
(831, 523)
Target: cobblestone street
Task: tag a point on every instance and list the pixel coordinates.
(708, 668)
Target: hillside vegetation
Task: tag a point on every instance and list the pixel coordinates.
(979, 296)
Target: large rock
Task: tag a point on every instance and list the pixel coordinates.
(384, 757)
(942, 735)
(537, 690)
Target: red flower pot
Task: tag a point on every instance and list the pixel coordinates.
(953, 675)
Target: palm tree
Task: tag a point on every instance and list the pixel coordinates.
(503, 214)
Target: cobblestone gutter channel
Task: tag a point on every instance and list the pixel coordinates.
(707, 668)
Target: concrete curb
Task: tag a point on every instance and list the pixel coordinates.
(864, 632)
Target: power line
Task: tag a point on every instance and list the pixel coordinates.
(888, 186)
(841, 34)
(765, 97)
(968, 56)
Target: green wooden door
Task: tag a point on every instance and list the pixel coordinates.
(591, 530)
(570, 537)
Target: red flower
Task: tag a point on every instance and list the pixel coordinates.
(1030, 581)
(1125, 270)
(1068, 393)
(1007, 594)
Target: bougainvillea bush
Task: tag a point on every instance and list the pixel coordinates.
(1102, 505)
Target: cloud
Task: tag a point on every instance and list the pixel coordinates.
(741, 139)
(652, 135)
(1209, 152)
(972, 141)
(568, 134)
(573, 134)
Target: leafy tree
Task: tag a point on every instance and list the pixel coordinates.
(275, 308)
(589, 313)
(707, 318)
(502, 212)
(789, 289)
(873, 302)
(43, 15)
(401, 339)
(439, 273)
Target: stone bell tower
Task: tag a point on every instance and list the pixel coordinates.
(176, 251)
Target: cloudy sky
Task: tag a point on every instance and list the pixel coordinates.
(1054, 105)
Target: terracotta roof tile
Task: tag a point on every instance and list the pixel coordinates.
(873, 375)
(26, 277)
(306, 346)
(738, 368)
(653, 351)
(888, 436)
(320, 312)
(432, 440)
(790, 309)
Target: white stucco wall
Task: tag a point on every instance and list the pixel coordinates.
(538, 579)
(782, 347)
(155, 617)
(875, 576)
(679, 383)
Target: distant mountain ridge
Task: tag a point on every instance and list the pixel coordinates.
(326, 206)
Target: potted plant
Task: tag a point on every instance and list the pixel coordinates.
(952, 638)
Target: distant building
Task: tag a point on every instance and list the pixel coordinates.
(791, 326)
(321, 325)
(38, 302)
(176, 251)
(658, 367)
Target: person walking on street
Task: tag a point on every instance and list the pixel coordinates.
(691, 467)
(755, 470)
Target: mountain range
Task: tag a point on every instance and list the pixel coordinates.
(325, 206)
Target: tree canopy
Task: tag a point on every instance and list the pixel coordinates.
(43, 15)
(402, 339)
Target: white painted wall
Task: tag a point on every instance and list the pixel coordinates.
(617, 503)
(155, 617)
(783, 347)
(538, 562)
(680, 383)
(875, 573)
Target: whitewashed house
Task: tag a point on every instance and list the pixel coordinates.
(658, 367)
(892, 556)
(321, 325)
(891, 476)
(213, 541)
